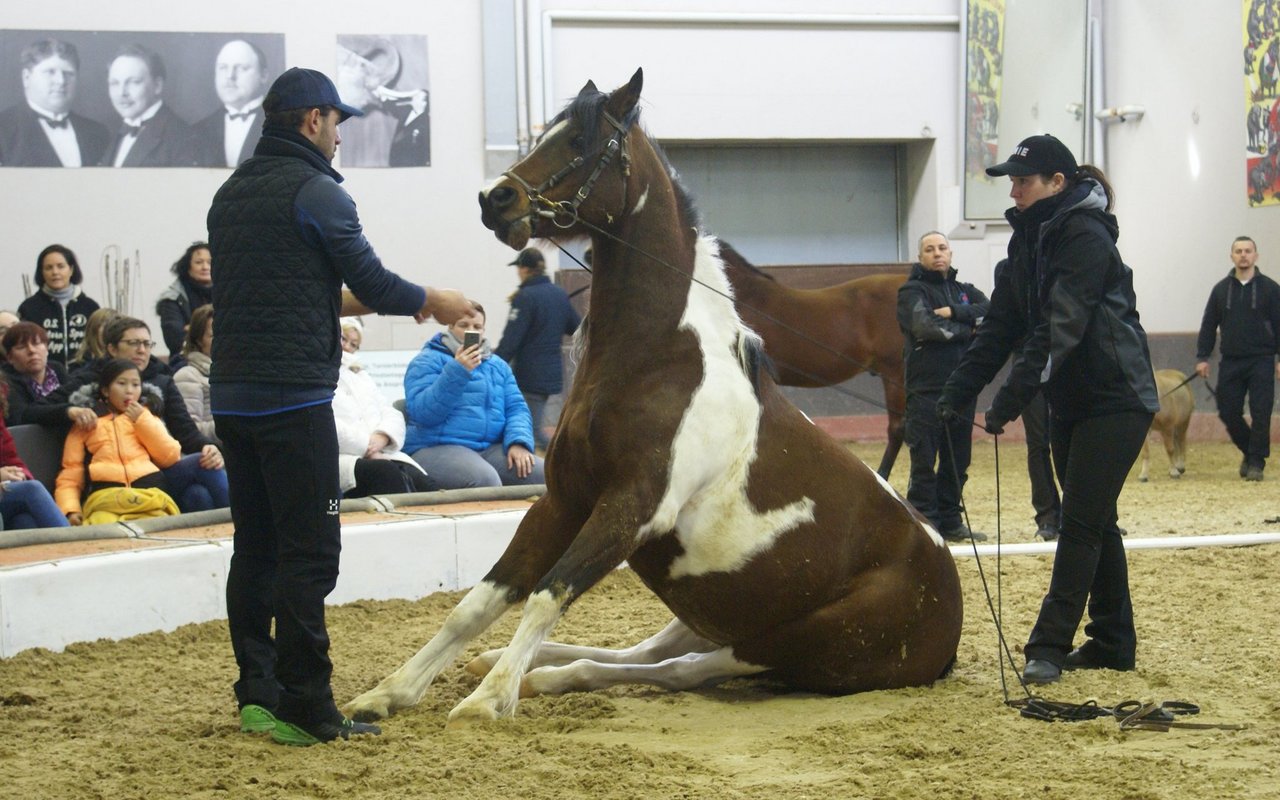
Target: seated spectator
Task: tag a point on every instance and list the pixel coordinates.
(60, 307)
(92, 346)
(128, 447)
(192, 379)
(31, 378)
(192, 288)
(24, 502)
(198, 480)
(468, 423)
(370, 430)
(7, 320)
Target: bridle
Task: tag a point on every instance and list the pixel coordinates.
(564, 213)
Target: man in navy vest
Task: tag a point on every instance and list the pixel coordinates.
(285, 238)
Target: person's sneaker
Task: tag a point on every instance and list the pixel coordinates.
(961, 533)
(256, 719)
(291, 733)
(1253, 474)
(1041, 671)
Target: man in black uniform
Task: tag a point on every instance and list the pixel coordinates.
(1245, 305)
(937, 315)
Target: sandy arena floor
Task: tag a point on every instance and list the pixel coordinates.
(153, 716)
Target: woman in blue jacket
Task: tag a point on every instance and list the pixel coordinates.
(468, 424)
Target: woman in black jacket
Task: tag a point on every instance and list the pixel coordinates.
(60, 307)
(1065, 309)
(192, 288)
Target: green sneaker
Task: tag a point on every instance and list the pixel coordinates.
(296, 736)
(256, 719)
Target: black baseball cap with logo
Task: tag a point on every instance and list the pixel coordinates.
(306, 88)
(1038, 155)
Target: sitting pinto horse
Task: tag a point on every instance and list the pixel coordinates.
(777, 550)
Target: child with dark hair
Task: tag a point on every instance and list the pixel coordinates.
(128, 447)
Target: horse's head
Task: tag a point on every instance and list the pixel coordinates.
(576, 174)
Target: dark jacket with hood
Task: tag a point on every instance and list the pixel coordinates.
(1067, 297)
(174, 309)
(935, 344)
(1248, 314)
(285, 237)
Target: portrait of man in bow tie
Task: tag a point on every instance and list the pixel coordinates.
(42, 130)
(227, 136)
(151, 134)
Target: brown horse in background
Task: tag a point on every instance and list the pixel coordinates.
(821, 337)
(776, 550)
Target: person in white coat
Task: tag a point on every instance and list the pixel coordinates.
(370, 430)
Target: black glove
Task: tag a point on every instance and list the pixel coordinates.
(944, 410)
(994, 423)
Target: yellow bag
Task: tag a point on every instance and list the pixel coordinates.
(124, 502)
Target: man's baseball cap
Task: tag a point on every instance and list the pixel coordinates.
(1038, 155)
(305, 88)
(529, 258)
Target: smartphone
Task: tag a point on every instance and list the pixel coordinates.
(470, 339)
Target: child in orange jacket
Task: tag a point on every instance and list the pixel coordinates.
(129, 445)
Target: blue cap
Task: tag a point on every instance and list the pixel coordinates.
(305, 88)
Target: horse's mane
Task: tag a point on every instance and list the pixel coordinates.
(733, 258)
(587, 110)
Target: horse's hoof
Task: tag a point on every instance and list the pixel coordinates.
(1173, 473)
(479, 666)
(465, 714)
(367, 709)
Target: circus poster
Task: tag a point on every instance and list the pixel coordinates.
(984, 55)
(1262, 127)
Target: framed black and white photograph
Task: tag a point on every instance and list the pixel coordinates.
(133, 98)
(385, 76)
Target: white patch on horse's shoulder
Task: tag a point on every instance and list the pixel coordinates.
(705, 502)
(644, 198)
(933, 534)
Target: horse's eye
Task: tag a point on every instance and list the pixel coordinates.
(576, 143)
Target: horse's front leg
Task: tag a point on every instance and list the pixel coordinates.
(539, 541)
(675, 639)
(606, 540)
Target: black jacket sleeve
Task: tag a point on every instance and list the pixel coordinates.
(1209, 325)
(1003, 326)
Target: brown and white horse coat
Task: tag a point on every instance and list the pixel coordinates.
(777, 551)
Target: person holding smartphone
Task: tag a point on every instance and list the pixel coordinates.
(468, 424)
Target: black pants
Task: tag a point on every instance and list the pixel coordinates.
(282, 471)
(1044, 491)
(1093, 458)
(1254, 377)
(940, 456)
(388, 476)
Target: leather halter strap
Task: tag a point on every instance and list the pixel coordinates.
(567, 210)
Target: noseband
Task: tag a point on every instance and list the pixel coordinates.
(564, 214)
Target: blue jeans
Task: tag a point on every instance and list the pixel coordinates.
(27, 504)
(453, 466)
(537, 404)
(195, 488)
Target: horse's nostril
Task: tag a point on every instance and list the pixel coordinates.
(501, 197)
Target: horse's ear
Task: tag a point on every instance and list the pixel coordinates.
(624, 98)
(588, 88)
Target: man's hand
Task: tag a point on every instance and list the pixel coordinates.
(520, 459)
(210, 457)
(1202, 369)
(944, 312)
(446, 306)
(945, 411)
(994, 423)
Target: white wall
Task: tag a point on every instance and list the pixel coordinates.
(729, 81)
